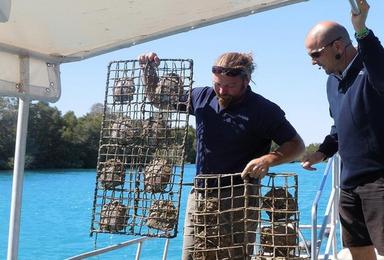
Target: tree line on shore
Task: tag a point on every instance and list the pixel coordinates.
(56, 141)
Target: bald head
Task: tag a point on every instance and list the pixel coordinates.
(330, 47)
(326, 32)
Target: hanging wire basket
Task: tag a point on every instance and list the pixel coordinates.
(141, 151)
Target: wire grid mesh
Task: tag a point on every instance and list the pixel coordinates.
(141, 152)
(235, 219)
(278, 231)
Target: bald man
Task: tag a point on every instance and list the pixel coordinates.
(355, 90)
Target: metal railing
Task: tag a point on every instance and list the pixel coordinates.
(138, 241)
(331, 216)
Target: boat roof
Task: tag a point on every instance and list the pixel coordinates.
(56, 31)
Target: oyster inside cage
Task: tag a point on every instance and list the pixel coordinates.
(113, 217)
(279, 204)
(162, 215)
(126, 131)
(123, 90)
(167, 91)
(111, 173)
(154, 130)
(279, 241)
(209, 244)
(207, 211)
(157, 175)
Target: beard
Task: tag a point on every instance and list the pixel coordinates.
(224, 101)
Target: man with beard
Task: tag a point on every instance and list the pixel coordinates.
(234, 131)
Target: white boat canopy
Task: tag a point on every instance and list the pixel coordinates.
(41, 34)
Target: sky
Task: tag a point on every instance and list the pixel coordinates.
(284, 73)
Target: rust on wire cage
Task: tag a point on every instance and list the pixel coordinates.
(142, 147)
(235, 219)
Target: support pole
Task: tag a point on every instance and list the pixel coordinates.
(355, 9)
(18, 169)
(18, 177)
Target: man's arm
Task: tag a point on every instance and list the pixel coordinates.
(370, 48)
(286, 152)
(326, 150)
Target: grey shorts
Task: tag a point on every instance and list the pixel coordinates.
(362, 215)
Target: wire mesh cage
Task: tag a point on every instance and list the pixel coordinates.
(142, 146)
(236, 219)
(278, 231)
(225, 216)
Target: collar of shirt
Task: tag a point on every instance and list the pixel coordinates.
(344, 73)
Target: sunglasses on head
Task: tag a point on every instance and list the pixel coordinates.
(316, 54)
(231, 72)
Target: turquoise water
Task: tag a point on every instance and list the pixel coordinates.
(57, 208)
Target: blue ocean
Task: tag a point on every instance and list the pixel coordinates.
(57, 208)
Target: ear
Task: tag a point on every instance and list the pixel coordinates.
(339, 45)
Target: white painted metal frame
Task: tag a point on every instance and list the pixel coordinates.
(354, 7)
(138, 241)
(331, 215)
(18, 171)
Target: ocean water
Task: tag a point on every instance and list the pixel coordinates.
(57, 208)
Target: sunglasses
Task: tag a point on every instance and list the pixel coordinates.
(316, 54)
(231, 72)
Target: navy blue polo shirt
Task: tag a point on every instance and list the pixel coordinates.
(227, 139)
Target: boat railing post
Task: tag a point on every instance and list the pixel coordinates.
(314, 233)
(334, 209)
(315, 246)
(18, 168)
(138, 251)
(165, 252)
(336, 186)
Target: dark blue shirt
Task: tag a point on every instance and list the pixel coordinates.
(227, 139)
(357, 107)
